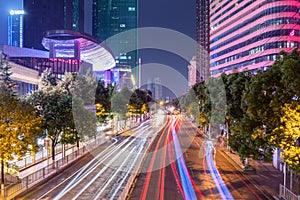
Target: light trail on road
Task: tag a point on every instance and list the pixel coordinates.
(126, 175)
(172, 152)
(187, 185)
(195, 138)
(222, 188)
(150, 168)
(90, 177)
(98, 194)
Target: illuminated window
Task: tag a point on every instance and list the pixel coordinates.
(122, 25)
(131, 8)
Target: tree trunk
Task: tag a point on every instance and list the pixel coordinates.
(299, 183)
(2, 171)
(53, 154)
(77, 144)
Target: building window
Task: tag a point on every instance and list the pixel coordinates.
(131, 8)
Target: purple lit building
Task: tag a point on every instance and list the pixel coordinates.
(247, 35)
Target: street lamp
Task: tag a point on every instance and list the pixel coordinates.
(161, 103)
(284, 170)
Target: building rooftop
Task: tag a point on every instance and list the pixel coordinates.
(65, 43)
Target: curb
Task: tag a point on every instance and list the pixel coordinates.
(151, 143)
(237, 164)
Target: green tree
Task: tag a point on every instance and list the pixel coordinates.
(138, 99)
(234, 86)
(79, 91)
(290, 67)
(103, 98)
(5, 73)
(262, 100)
(84, 87)
(201, 92)
(289, 132)
(54, 106)
(120, 101)
(85, 121)
(47, 79)
(19, 127)
(215, 105)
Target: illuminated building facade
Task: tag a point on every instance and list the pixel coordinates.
(202, 38)
(247, 35)
(15, 28)
(44, 15)
(119, 76)
(113, 17)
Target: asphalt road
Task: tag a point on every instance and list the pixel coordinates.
(156, 180)
(160, 177)
(39, 191)
(180, 165)
(99, 174)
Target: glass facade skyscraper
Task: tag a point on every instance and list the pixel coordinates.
(202, 38)
(44, 15)
(111, 17)
(247, 35)
(15, 28)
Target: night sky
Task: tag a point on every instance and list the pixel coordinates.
(178, 15)
(5, 7)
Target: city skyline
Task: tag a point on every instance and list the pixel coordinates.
(178, 16)
(150, 99)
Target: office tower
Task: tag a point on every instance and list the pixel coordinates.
(111, 17)
(15, 28)
(44, 15)
(202, 38)
(155, 86)
(192, 72)
(248, 35)
(157, 89)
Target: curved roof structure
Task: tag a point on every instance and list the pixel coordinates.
(65, 42)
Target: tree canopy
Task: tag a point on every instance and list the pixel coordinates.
(19, 126)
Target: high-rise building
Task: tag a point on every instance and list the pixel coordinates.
(44, 15)
(203, 40)
(192, 72)
(247, 35)
(111, 17)
(155, 86)
(15, 28)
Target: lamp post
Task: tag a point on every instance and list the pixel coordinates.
(284, 170)
(47, 145)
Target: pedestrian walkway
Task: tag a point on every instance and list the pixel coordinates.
(43, 163)
(266, 177)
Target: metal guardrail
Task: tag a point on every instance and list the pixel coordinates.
(11, 191)
(287, 194)
(27, 161)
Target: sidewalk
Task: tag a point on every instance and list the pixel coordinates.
(42, 163)
(265, 177)
(28, 167)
